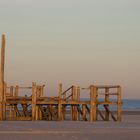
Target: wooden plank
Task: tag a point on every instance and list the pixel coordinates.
(109, 103)
(106, 86)
(108, 93)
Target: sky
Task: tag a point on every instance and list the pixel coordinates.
(79, 42)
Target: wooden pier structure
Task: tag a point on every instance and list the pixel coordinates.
(31, 103)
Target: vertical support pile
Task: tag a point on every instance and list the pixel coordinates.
(119, 112)
(16, 94)
(64, 106)
(93, 95)
(11, 113)
(16, 91)
(107, 100)
(34, 101)
(74, 109)
(60, 103)
(4, 102)
(41, 95)
(2, 77)
(78, 100)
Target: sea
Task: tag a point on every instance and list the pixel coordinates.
(131, 104)
(127, 105)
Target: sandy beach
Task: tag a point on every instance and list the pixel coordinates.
(128, 129)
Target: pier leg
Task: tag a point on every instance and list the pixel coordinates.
(59, 110)
(74, 98)
(93, 94)
(119, 112)
(60, 102)
(34, 101)
(107, 100)
(78, 99)
(2, 63)
(4, 102)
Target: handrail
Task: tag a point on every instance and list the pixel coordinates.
(21, 87)
(108, 93)
(85, 88)
(107, 86)
(103, 86)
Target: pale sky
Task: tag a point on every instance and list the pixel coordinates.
(78, 42)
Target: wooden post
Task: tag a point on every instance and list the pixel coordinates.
(37, 113)
(73, 108)
(119, 107)
(2, 76)
(78, 93)
(60, 90)
(16, 91)
(36, 106)
(59, 110)
(11, 116)
(60, 102)
(33, 101)
(74, 99)
(4, 102)
(64, 106)
(93, 94)
(78, 100)
(11, 90)
(41, 95)
(16, 94)
(107, 100)
(42, 90)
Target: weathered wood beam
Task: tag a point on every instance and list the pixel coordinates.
(93, 96)
(2, 63)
